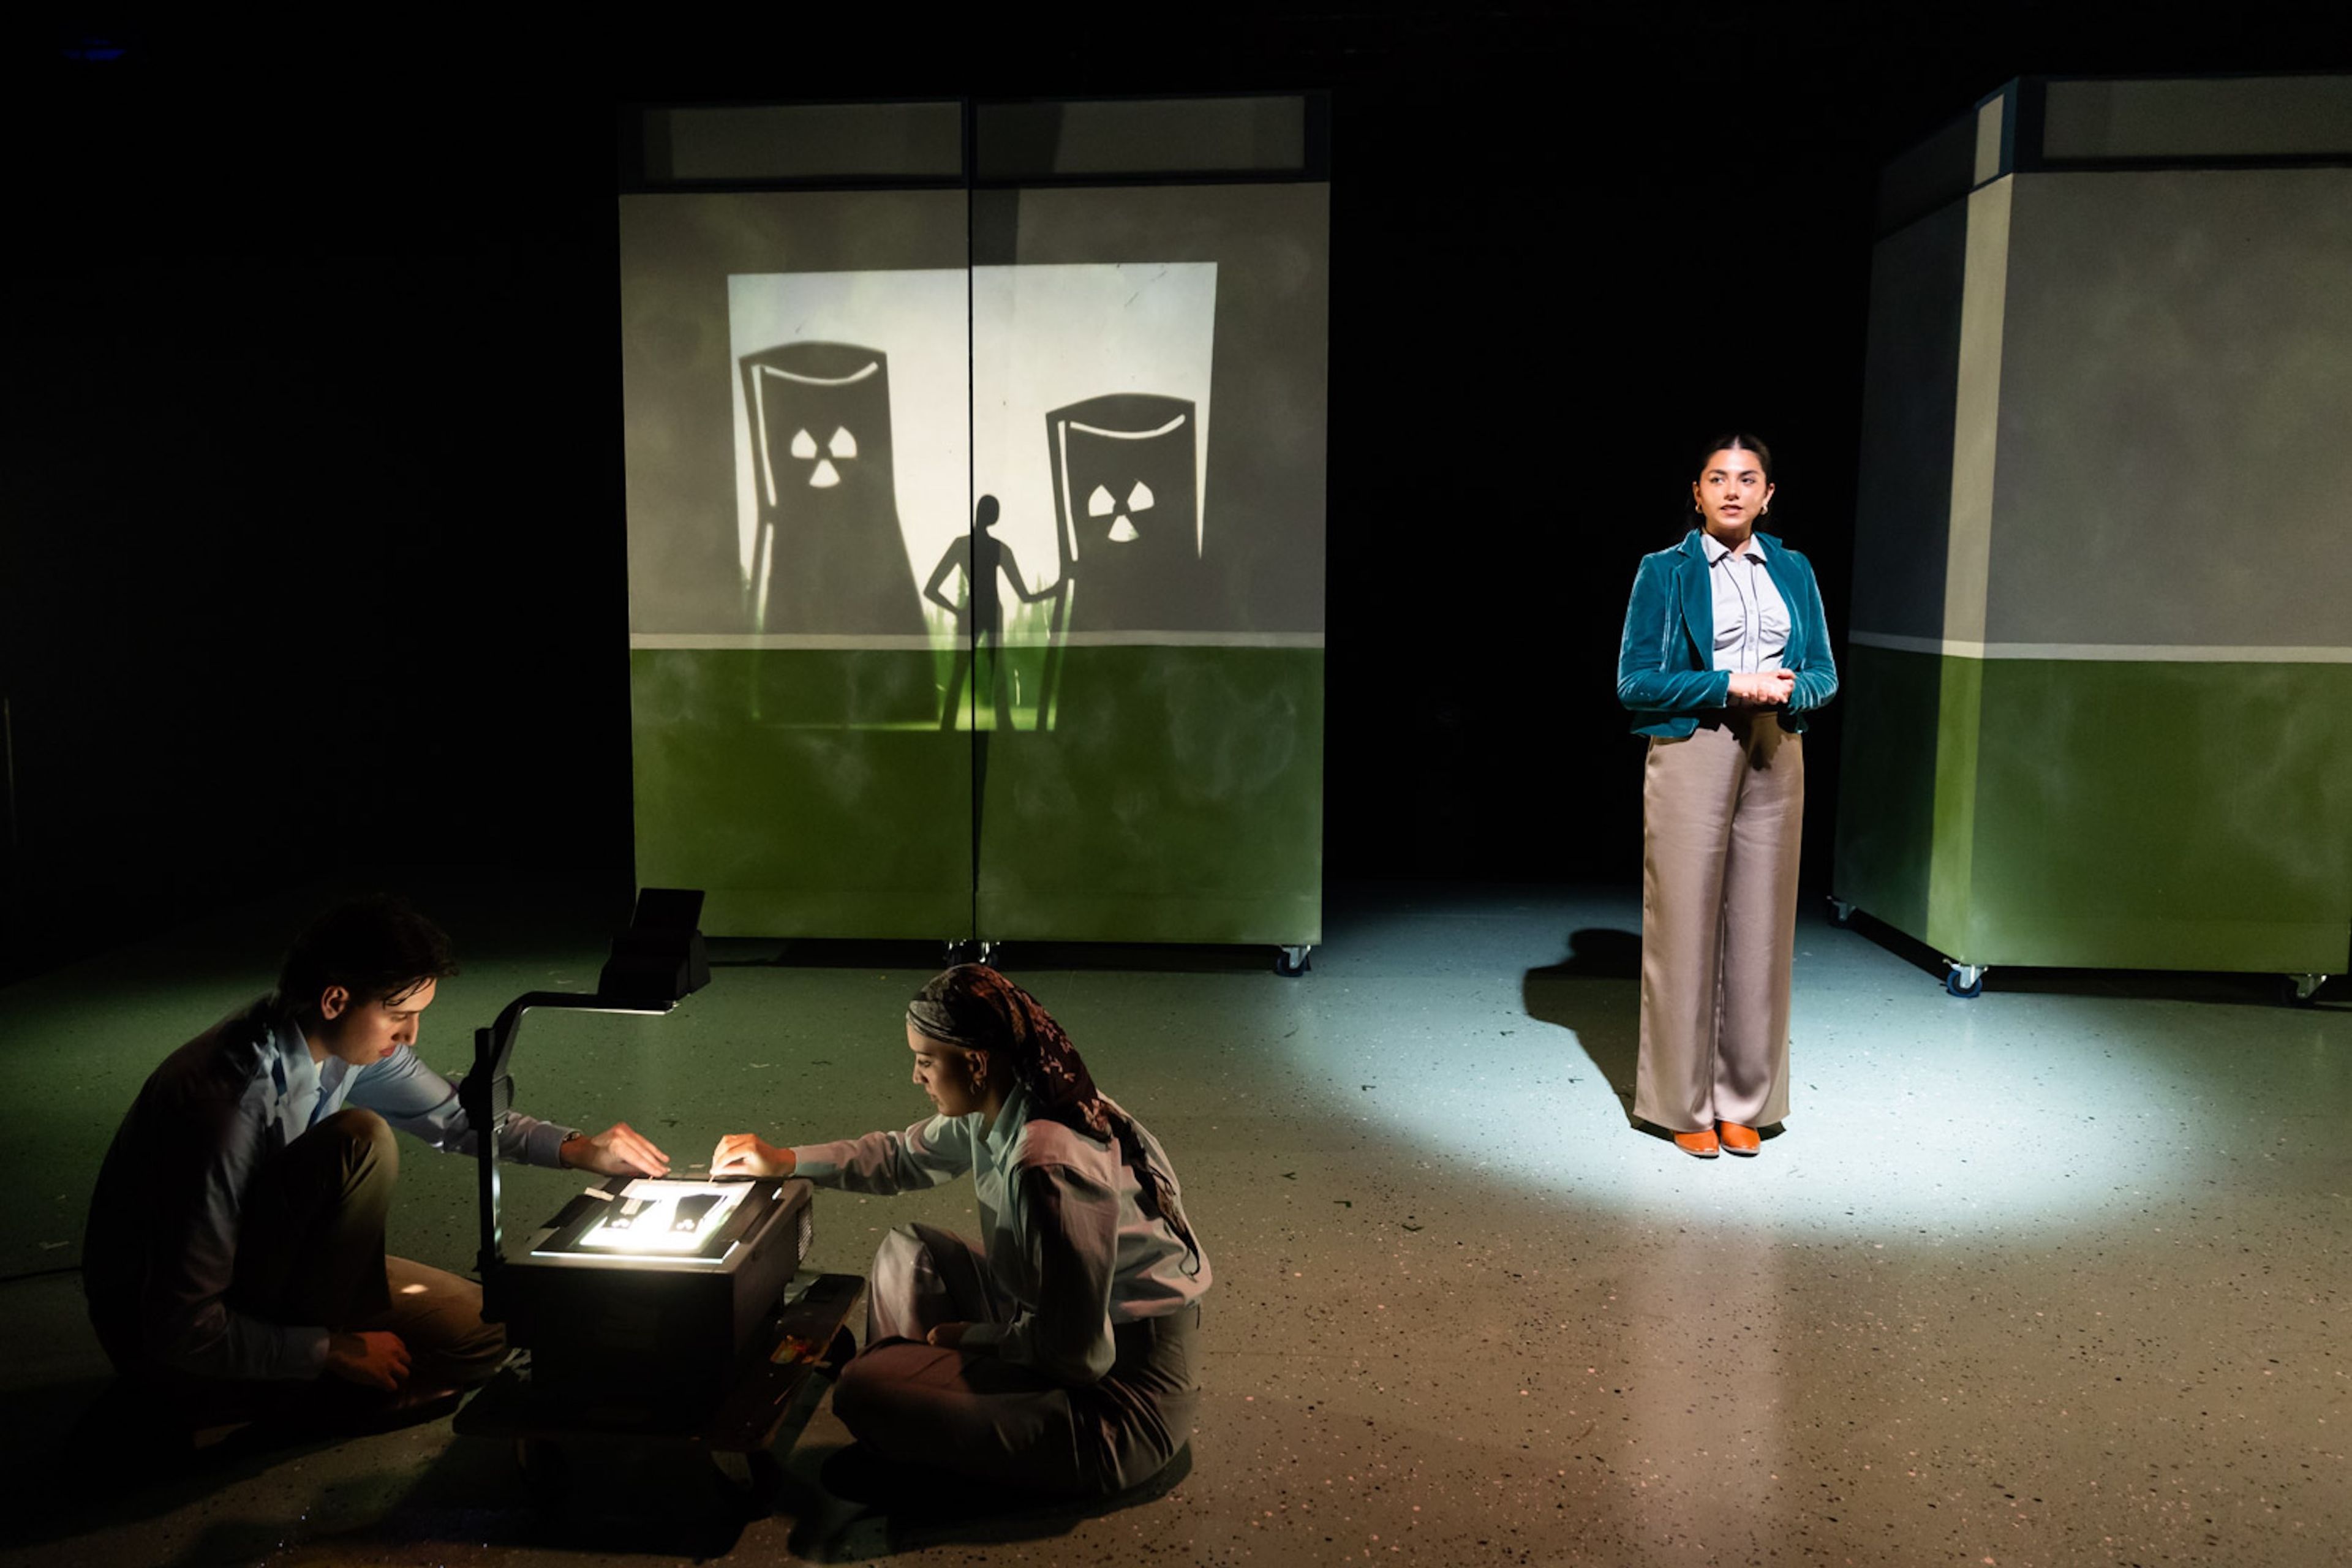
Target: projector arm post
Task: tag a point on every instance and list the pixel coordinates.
(487, 1093)
(655, 963)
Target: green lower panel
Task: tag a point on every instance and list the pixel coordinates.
(809, 794)
(2162, 816)
(2102, 814)
(1886, 798)
(1177, 798)
(1951, 864)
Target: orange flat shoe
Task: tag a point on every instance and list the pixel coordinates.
(1738, 1139)
(1701, 1144)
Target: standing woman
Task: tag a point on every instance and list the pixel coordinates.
(1056, 1353)
(1724, 652)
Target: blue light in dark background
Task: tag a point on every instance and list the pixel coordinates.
(94, 49)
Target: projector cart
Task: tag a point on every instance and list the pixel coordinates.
(779, 1386)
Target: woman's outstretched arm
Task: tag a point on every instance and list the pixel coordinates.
(923, 1155)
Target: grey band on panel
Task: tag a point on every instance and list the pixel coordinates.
(2119, 653)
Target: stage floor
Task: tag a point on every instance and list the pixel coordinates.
(2054, 1276)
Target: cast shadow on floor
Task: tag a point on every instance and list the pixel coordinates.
(834, 1504)
(847, 1510)
(96, 1469)
(1595, 993)
(91, 1457)
(95, 1459)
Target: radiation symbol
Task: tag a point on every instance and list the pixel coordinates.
(1102, 504)
(841, 447)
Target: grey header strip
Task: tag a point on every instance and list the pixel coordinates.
(830, 642)
(2119, 653)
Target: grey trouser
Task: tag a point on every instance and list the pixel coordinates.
(979, 1416)
(1722, 817)
(310, 1250)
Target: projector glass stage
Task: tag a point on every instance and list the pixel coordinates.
(654, 1219)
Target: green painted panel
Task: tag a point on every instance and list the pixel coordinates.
(1887, 797)
(810, 794)
(2160, 816)
(1177, 798)
(1951, 861)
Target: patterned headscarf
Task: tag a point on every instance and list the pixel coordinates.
(973, 1006)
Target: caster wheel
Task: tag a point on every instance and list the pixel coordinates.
(1292, 961)
(2303, 990)
(1965, 979)
(1840, 913)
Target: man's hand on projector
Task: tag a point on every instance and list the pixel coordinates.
(743, 1154)
(373, 1358)
(619, 1150)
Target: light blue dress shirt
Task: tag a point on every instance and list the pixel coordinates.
(1060, 1222)
(165, 1220)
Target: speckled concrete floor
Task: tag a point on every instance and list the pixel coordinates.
(2056, 1276)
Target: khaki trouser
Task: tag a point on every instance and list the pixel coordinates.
(979, 1416)
(310, 1250)
(1722, 816)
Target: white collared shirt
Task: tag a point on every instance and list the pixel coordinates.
(1751, 619)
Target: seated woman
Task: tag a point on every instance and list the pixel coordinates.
(1056, 1353)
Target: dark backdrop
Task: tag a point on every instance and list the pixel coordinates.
(313, 542)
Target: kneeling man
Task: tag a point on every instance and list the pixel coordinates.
(236, 1243)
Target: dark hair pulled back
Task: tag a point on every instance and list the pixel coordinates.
(1738, 441)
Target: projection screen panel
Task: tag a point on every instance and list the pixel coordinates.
(980, 598)
(1170, 787)
(795, 404)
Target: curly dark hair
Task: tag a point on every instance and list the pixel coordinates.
(378, 948)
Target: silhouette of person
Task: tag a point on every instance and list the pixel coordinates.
(984, 619)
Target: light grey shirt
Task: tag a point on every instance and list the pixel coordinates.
(162, 1235)
(1751, 619)
(1061, 1220)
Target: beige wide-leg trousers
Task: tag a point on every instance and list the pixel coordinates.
(1722, 816)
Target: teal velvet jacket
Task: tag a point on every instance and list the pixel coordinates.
(1665, 662)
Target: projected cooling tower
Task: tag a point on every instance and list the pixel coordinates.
(1129, 525)
(829, 556)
